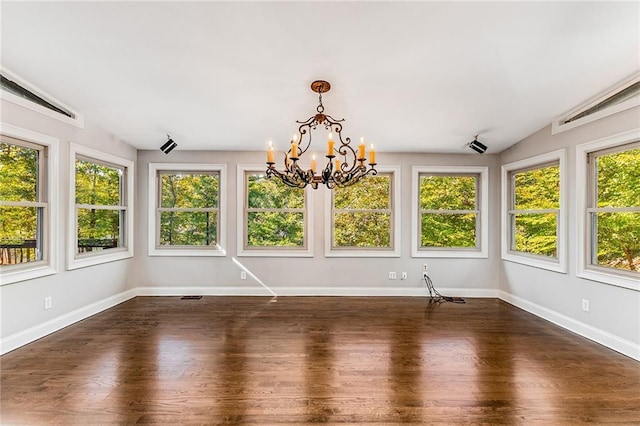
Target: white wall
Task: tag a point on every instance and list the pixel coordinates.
(614, 316)
(317, 275)
(22, 313)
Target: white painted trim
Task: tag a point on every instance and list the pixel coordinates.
(604, 338)
(483, 251)
(50, 265)
(396, 202)
(222, 209)
(582, 175)
(38, 331)
(556, 265)
(126, 252)
(78, 121)
(313, 291)
(557, 126)
(240, 228)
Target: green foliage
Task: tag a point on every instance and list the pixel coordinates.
(443, 194)
(18, 173)
(538, 189)
(448, 230)
(275, 215)
(196, 190)
(618, 233)
(369, 226)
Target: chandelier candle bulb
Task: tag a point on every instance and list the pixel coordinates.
(330, 145)
(337, 164)
(361, 153)
(294, 150)
(270, 153)
(372, 155)
(313, 163)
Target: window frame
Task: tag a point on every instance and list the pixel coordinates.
(74, 260)
(48, 184)
(395, 249)
(154, 197)
(559, 263)
(482, 208)
(241, 212)
(584, 268)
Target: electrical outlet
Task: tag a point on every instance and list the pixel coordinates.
(392, 275)
(403, 276)
(243, 275)
(425, 267)
(48, 302)
(585, 305)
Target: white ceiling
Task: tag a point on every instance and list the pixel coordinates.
(415, 76)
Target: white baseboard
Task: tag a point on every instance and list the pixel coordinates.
(602, 337)
(36, 332)
(312, 291)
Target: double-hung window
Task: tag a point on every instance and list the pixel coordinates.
(101, 219)
(533, 225)
(185, 215)
(610, 210)
(27, 204)
(533, 217)
(450, 207)
(274, 217)
(364, 219)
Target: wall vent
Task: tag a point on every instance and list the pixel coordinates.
(622, 97)
(17, 91)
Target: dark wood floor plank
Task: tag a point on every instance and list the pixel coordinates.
(298, 360)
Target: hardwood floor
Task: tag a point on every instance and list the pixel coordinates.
(297, 360)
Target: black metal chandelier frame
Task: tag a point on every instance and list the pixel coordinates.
(351, 168)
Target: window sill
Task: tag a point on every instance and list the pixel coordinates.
(188, 252)
(274, 253)
(97, 259)
(12, 275)
(361, 253)
(536, 262)
(460, 254)
(611, 278)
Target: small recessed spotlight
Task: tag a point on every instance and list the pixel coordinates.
(478, 147)
(168, 145)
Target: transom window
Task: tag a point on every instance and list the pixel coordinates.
(450, 206)
(102, 206)
(185, 218)
(275, 219)
(363, 218)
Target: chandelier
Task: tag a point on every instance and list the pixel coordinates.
(345, 165)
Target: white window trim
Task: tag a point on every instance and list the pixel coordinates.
(219, 250)
(483, 251)
(49, 265)
(395, 251)
(77, 121)
(557, 126)
(584, 269)
(268, 252)
(556, 265)
(74, 261)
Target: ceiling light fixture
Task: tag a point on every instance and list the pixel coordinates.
(349, 164)
(168, 145)
(478, 147)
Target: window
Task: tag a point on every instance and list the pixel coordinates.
(28, 164)
(533, 218)
(185, 216)
(450, 211)
(274, 217)
(101, 203)
(364, 219)
(15, 90)
(610, 210)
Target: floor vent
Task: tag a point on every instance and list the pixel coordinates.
(191, 298)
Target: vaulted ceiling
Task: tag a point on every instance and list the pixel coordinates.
(409, 76)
